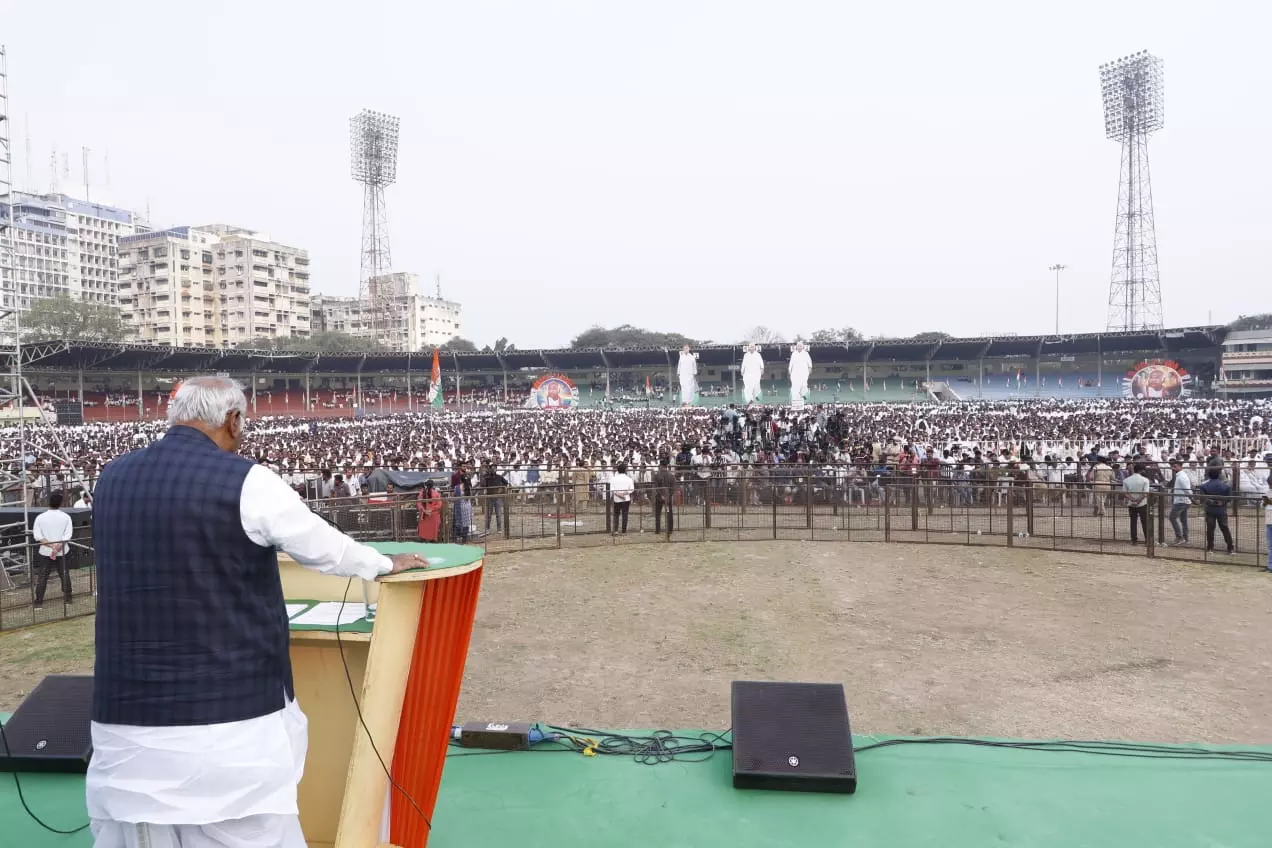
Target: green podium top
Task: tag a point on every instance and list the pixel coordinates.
(439, 557)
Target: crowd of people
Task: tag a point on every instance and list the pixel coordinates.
(961, 454)
(891, 432)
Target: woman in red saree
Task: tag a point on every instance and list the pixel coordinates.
(429, 507)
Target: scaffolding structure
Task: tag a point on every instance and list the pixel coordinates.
(19, 406)
(1134, 108)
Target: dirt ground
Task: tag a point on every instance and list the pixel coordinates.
(926, 639)
(28, 655)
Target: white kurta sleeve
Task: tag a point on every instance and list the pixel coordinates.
(273, 515)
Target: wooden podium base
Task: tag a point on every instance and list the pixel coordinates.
(406, 670)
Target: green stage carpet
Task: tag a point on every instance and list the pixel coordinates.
(946, 796)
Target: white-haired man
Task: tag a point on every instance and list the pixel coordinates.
(197, 737)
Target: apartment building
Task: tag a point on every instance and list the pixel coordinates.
(1246, 366)
(63, 247)
(167, 291)
(410, 321)
(213, 286)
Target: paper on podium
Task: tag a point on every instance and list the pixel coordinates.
(330, 614)
(292, 609)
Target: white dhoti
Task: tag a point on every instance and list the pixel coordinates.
(144, 783)
(263, 831)
(688, 388)
(752, 371)
(801, 368)
(799, 388)
(687, 371)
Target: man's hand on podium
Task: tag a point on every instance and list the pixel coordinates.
(405, 562)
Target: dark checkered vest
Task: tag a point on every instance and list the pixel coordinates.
(191, 627)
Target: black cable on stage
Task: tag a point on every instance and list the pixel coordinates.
(662, 746)
(22, 798)
(1094, 747)
(354, 695)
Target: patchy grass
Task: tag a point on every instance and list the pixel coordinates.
(30, 654)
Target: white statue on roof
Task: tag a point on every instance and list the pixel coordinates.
(752, 372)
(800, 369)
(687, 371)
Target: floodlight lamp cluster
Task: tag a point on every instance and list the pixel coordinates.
(1134, 95)
(373, 147)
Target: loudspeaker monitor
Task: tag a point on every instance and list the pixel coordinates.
(50, 730)
(792, 736)
(69, 412)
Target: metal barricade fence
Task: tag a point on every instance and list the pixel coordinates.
(22, 571)
(794, 506)
(796, 503)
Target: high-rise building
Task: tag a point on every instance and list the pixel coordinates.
(167, 292)
(64, 246)
(407, 321)
(262, 287)
(216, 286)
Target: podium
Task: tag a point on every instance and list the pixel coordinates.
(405, 668)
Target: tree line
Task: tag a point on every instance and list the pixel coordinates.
(61, 318)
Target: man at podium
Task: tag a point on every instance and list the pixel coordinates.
(197, 736)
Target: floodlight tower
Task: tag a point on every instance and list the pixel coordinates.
(1134, 108)
(373, 138)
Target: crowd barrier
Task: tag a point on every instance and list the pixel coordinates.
(1072, 517)
(1077, 517)
(20, 571)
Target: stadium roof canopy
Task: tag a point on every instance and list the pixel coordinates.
(100, 356)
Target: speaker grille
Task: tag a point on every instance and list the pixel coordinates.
(68, 412)
(792, 736)
(51, 729)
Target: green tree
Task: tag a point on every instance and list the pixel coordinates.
(324, 342)
(843, 335)
(627, 336)
(458, 344)
(60, 318)
(331, 342)
(763, 335)
(930, 336)
(1262, 321)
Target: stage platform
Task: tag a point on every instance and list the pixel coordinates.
(951, 796)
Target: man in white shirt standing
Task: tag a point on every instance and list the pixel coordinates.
(354, 481)
(197, 736)
(1136, 489)
(621, 488)
(52, 531)
(1181, 498)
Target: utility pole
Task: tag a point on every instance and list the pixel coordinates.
(1057, 268)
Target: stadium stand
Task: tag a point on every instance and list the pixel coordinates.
(1079, 366)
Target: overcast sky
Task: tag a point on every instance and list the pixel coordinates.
(693, 166)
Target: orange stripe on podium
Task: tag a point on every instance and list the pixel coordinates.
(428, 711)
